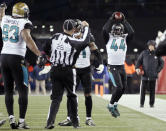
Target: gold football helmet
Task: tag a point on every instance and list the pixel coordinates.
(20, 9)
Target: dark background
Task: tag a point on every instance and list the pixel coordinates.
(146, 17)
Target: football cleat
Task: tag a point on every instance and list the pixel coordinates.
(151, 106)
(89, 122)
(76, 125)
(66, 122)
(13, 124)
(142, 106)
(116, 110)
(49, 126)
(2, 122)
(112, 111)
(23, 125)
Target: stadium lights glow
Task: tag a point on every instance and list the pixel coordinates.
(51, 26)
(101, 50)
(35, 26)
(135, 50)
(51, 30)
(43, 26)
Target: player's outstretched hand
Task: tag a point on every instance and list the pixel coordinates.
(84, 23)
(100, 69)
(138, 71)
(42, 60)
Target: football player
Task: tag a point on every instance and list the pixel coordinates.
(117, 32)
(16, 35)
(83, 71)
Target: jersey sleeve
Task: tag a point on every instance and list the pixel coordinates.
(3, 18)
(28, 26)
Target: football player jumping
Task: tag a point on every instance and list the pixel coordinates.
(116, 33)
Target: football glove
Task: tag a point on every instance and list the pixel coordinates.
(45, 70)
(42, 61)
(3, 5)
(100, 69)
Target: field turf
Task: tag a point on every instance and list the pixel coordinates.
(129, 120)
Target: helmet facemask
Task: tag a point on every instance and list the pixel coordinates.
(117, 30)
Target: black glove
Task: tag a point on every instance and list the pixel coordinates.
(42, 60)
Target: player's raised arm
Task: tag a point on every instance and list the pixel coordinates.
(129, 29)
(2, 11)
(116, 17)
(25, 33)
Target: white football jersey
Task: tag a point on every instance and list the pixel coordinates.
(116, 49)
(84, 58)
(13, 43)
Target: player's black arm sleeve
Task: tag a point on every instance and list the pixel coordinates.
(107, 28)
(161, 49)
(161, 64)
(128, 29)
(28, 26)
(139, 61)
(98, 56)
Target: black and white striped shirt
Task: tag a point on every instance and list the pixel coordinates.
(66, 49)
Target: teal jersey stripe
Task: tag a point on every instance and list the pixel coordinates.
(25, 75)
(112, 79)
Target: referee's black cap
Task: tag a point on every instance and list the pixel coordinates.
(69, 24)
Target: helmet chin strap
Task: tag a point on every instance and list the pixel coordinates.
(26, 15)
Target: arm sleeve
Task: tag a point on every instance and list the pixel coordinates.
(98, 57)
(80, 44)
(161, 64)
(107, 28)
(128, 29)
(28, 26)
(139, 61)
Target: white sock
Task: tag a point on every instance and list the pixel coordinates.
(87, 118)
(11, 116)
(68, 117)
(115, 103)
(111, 105)
(21, 120)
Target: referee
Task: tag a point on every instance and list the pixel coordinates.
(64, 52)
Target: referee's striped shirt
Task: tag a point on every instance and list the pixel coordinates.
(66, 49)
